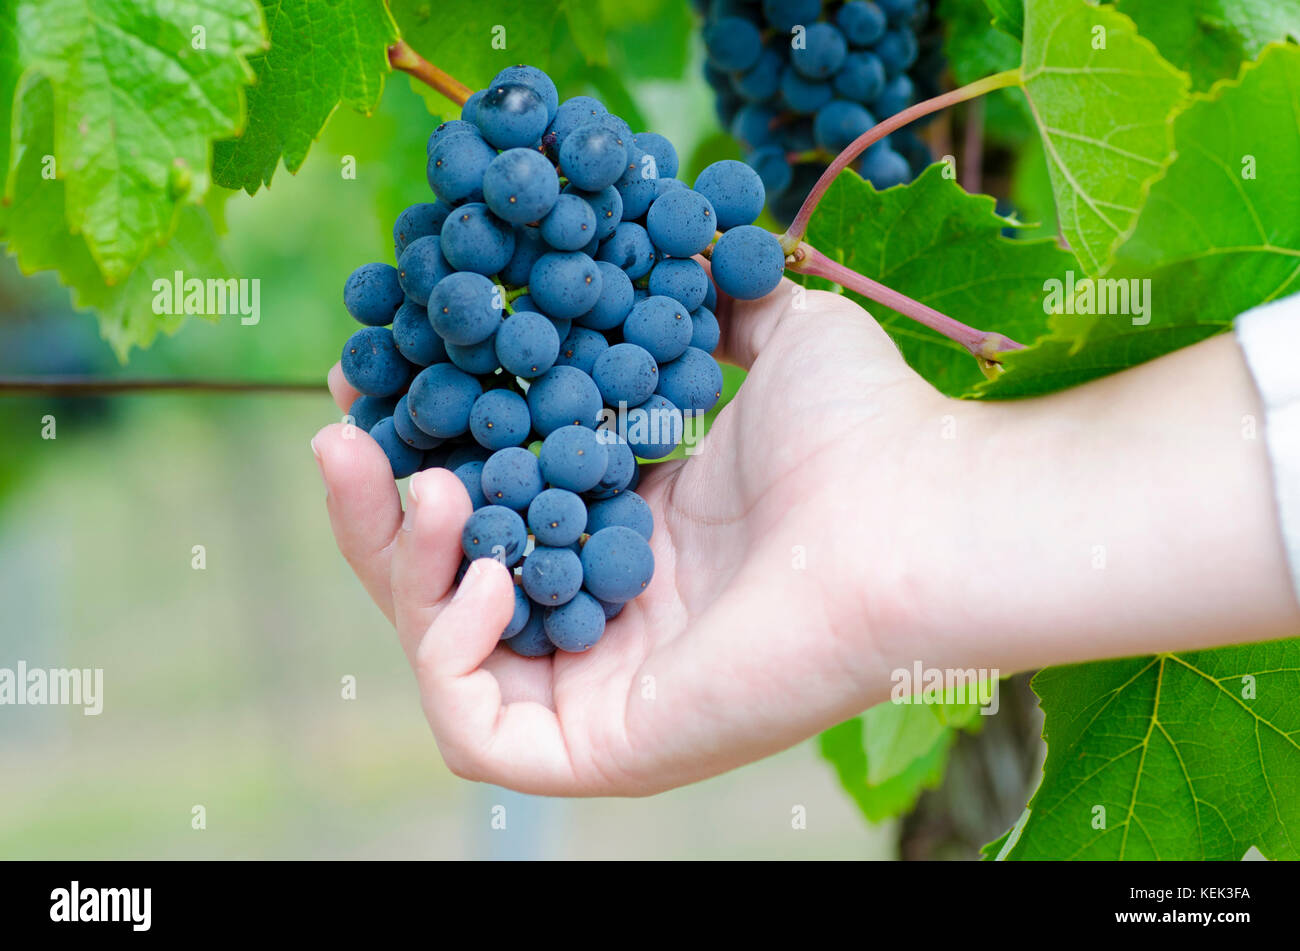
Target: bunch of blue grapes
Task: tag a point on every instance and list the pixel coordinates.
(796, 81)
(546, 330)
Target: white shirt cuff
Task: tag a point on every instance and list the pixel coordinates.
(1270, 338)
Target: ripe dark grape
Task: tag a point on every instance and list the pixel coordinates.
(368, 410)
(577, 625)
(495, 532)
(512, 477)
(421, 267)
(627, 509)
(570, 225)
(661, 325)
(465, 308)
(748, 262)
(372, 364)
(474, 239)
(565, 283)
(580, 348)
(415, 337)
(372, 294)
(499, 419)
(573, 458)
(617, 564)
(511, 115)
(552, 576)
(404, 459)
(520, 186)
(557, 517)
(626, 373)
(420, 220)
(693, 381)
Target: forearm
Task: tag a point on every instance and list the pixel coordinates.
(1132, 515)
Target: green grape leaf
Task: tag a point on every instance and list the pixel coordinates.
(1008, 16)
(141, 90)
(1173, 756)
(939, 245)
(1102, 98)
(473, 41)
(843, 747)
(9, 73)
(1220, 233)
(33, 230)
(973, 46)
(321, 55)
(1210, 39)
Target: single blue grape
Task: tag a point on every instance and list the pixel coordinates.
(606, 203)
(421, 267)
(529, 246)
(557, 517)
(511, 477)
(576, 626)
(884, 168)
(527, 345)
(627, 374)
(565, 283)
(368, 410)
(476, 359)
(456, 168)
(629, 248)
(821, 54)
(653, 429)
(573, 458)
(495, 532)
(563, 396)
(732, 43)
(402, 458)
(614, 301)
(661, 325)
(761, 81)
(468, 111)
(898, 11)
(580, 348)
(441, 398)
(373, 364)
(747, 263)
(465, 308)
(534, 79)
(372, 294)
(627, 509)
(467, 452)
(785, 15)
(682, 222)
(593, 156)
(682, 279)
(801, 95)
(691, 382)
(447, 129)
(511, 115)
(570, 225)
(419, 221)
(896, 97)
(734, 190)
(662, 150)
(474, 239)
(531, 641)
(705, 331)
(772, 168)
(520, 186)
(861, 22)
(551, 576)
(897, 50)
(499, 419)
(523, 608)
(861, 78)
(415, 337)
(839, 122)
(620, 468)
(755, 125)
(573, 113)
(617, 564)
(470, 475)
(410, 433)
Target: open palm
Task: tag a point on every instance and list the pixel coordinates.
(756, 630)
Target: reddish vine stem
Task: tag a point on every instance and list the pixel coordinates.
(402, 56)
(984, 346)
(799, 227)
(972, 150)
(91, 386)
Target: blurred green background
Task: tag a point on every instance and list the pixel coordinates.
(223, 685)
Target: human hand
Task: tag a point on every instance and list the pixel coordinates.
(841, 520)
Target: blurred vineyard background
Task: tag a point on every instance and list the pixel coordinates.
(222, 686)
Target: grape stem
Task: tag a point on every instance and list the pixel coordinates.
(984, 346)
(92, 386)
(799, 227)
(402, 56)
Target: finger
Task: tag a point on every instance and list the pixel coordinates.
(364, 505)
(344, 393)
(517, 745)
(427, 551)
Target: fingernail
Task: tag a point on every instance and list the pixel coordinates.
(471, 579)
(320, 466)
(412, 490)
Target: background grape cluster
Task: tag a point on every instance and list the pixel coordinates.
(796, 81)
(545, 328)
